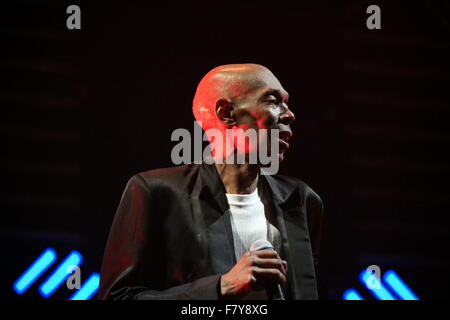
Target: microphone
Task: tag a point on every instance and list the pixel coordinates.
(275, 292)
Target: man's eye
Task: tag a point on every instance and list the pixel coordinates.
(272, 100)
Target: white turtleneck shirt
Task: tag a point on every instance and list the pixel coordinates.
(248, 221)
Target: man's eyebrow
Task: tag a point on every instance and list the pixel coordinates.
(275, 92)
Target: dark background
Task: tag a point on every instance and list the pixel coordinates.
(83, 110)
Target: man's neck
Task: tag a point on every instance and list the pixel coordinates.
(238, 178)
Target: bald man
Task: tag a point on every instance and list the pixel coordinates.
(186, 232)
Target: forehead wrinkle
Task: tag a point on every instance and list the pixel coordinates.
(280, 92)
(272, 86)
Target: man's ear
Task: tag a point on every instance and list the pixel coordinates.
(224, 111)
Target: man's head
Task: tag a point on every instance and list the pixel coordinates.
(243, 96)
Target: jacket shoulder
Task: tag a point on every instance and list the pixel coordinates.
(174, 177)
(307, 193)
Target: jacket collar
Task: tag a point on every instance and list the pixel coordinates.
(210, 186)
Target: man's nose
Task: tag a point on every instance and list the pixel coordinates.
(287, 116)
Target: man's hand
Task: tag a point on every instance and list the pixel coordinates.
(252, 271)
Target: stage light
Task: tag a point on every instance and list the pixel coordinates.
(60, 274)
(34, 271)
(351, 294)
(380, 292)
(88, 289)
(398, 286)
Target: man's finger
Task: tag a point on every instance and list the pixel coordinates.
(269, 274)
(285, 265)
(266, 253)
(269, 263)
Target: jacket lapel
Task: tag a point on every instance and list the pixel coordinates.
(211, 211)
(290, 213)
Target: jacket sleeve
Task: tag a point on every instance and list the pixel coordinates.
(133, 264)
(315, 220)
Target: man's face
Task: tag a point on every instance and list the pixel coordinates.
(264, 106)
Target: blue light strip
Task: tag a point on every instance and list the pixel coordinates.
(88, 289)
(34, 271)
(351, 294)
(380, 293)
(60, 274)
(398, 286)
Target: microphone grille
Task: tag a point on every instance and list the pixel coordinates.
(261, 245)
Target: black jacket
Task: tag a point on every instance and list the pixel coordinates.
(172, 239)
